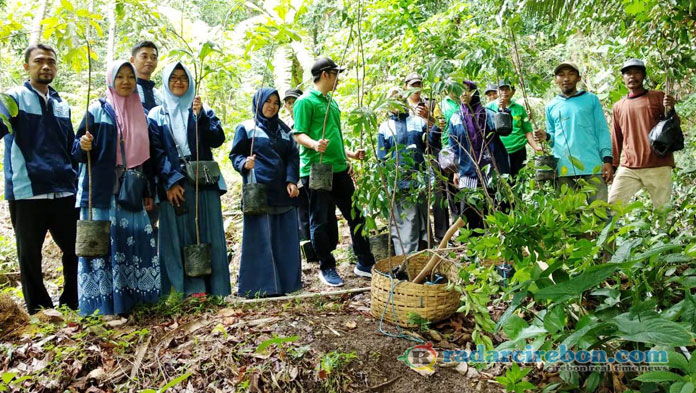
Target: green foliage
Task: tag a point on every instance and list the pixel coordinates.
(683, 379)
(169, 384)
(11, 106)
(513, 379)
(330, 370)
(275, 341)
(415, 319)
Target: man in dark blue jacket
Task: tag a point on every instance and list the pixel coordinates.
(40, 178)
(144, 57)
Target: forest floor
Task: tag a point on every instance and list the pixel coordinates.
(313, 344)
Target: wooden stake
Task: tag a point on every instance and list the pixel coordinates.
(302, 296)
(436, 258)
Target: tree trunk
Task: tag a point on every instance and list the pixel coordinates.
(36, 26)
(282, 71)
(111, 14)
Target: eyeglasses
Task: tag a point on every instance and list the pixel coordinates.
(182, 79)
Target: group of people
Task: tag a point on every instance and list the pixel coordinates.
(587, 152)
(54, 175)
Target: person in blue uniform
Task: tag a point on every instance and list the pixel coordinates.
(270, 262)
(173, 136)
(114, 134)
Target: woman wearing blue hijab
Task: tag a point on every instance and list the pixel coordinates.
(270, 262)
(174, 143)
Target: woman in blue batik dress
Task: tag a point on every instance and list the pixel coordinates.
(117, 140)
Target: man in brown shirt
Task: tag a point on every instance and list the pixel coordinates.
(633, 118)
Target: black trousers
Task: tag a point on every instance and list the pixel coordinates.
(320, 202)
(31, 219)
(440, 203)
(303, 217)
(452, 191)
(517, 160)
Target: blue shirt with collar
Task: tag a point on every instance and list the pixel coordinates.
(149, 96)
(407, 134)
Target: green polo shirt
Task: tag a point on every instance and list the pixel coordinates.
(309, 111)
(449, 108)
(520, 127)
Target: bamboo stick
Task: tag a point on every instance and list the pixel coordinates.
(302, 296)
(436, 258)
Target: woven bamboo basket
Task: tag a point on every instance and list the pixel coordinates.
(431, 302)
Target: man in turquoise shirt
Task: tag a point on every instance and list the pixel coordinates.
(578, 133)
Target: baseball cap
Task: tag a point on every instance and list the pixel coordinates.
(632, 63)
(566, 64)
(325, 64)
(504, 82)
(491, 87)
(292, 93)
(412, 78)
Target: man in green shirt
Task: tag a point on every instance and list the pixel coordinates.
(326, 144)
(450, 106)
(522, 132)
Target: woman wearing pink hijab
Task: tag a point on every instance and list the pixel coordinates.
(117, 140)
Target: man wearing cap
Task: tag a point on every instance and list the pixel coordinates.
(633, 118)
(291, 96)
(317, 142)
(491, 92)
(576, 126)
(429, 111)
(522, 132)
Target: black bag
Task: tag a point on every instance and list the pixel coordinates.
(254, 196)
(132, 185)
(502, 121)
(667, 136)
(132, 191)
(208, 172)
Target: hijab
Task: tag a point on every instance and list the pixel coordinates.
(130, 119)
(475, 118)
(270, 125)
(178, 107)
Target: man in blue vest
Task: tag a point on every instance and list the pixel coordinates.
(40, 178)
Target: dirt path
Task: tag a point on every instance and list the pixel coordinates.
(316, 344)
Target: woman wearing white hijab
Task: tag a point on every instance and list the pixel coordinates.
(173, 135)
(117, 140)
